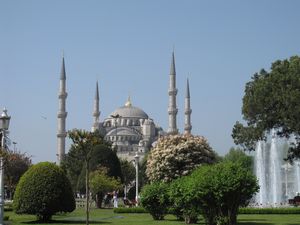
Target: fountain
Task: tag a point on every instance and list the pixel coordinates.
(278, 180)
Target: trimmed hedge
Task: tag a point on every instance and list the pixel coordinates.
(8, 207)
(43, 191)
(291, 210)
(130, 210)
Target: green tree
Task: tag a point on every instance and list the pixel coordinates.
(271, 101)
(177, 155)
(101, 155)
(43, 191)
(182, 200)
(128, 173)
(155, 199)
(15, 165)
(237, 155)
(101, 183)
(221, 189)
(84, 142)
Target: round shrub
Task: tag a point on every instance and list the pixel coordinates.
(177, 155)
(155, 199)
(43, 191)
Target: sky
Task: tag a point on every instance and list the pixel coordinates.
(127, 47)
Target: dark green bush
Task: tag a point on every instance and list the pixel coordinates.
(130, 210)
(43, 191)
(182, 200)
(8, 207)
(6, 218)
(155, 199)
(291, 210)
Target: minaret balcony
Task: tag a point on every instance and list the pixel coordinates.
(62, 115)
(172, 111)
(188, 127)
(63, 95)
(62, 135)
(173, 91)
(96, 114)
(187, 112)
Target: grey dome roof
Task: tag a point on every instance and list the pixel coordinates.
(130, 111)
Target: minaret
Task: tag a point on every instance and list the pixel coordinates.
(96, 113)
(172, 109)
(62, 115)
(188, 110)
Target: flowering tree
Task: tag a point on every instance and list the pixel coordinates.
(177, 155)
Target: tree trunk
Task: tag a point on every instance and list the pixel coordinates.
(99, 200)
(233, 216)
(87, 192)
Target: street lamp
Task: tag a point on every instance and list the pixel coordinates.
(4, 124)
(136, 159)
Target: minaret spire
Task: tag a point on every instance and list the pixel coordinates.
(62, 115)
(96, 113)
(188, 110)
(172, 109)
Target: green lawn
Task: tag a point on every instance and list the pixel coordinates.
(106, 216)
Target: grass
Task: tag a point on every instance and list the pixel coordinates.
(106, 216)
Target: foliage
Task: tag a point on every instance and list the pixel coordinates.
(177, 155)
(15, 165)
(239, 156)
(182, 200)
(83, 143)
(143, 179)
(101, 183)
(8, 206)
(271, 100)
(130, 210)
(128, 171)
(221, 189)
(294, 210)
(43, 191)
(73, 164)
(100, 154)
(103, 156)
(155, 199)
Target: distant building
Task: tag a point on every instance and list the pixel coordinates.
(129, 128)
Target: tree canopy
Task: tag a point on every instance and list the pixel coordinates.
(217, 191)
(99, 153)
(101, 183)
(237, 155)
(16, 164)
(177, 155)
(83, 145)
(271, 101)
(43, 191)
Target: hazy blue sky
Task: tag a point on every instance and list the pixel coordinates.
(127, 46)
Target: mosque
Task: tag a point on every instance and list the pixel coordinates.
(128, 128)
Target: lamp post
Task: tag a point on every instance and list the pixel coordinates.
(4, 124)
(136, 159)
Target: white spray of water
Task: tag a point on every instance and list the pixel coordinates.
(261, 198)
(274, 172)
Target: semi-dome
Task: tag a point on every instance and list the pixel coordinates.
(129, 111)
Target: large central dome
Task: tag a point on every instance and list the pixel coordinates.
(129, 111)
